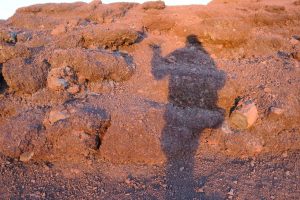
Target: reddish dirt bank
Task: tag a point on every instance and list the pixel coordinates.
(146, 94)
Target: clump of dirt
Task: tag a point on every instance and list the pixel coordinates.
(148, 82)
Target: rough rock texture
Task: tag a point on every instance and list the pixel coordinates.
(25, 75)
(93, 65)
(91, 94)
(154, 5)
(64, 132)
(167, 76)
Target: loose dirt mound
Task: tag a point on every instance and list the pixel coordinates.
(148, 83)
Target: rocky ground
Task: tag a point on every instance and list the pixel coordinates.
(144, 101)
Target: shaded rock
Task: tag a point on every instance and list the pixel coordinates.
(158, 5)
(4, 34)
(244, 116)
(24, 36)
(25, 75)
(296, 55)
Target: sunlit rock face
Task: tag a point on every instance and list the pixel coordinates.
(168, 2)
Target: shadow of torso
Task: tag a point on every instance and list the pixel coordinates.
(194, 82)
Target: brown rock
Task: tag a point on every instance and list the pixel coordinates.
(244, 116)
(57, 84)
(59, 30)
(73, 89)
(296, 3)
(27, 156)
(63, 78)
(158, 5)
(296, 55)
(27, 76)
(23, 133)
(93, 65)
(109, 36)
(55, 116)
(276, 111)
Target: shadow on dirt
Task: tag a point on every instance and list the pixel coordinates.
(194, 82)
(3, 84)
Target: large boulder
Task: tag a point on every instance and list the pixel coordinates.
(23, 133)
(72, 130)
(26, 75)
(93, 65)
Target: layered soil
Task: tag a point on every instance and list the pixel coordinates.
(135, 100)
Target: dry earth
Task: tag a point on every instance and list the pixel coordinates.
(136, 101)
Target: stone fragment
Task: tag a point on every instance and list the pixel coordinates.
(296, 55)
(294, 41)
(231, 192)
(244, 116)
(267, 90)
(63, 78)
(73, 89)
(27, 156)
(276, 111)
(55, 116)
(57, 83)
(10, 52)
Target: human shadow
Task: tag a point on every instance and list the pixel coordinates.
(194, 82)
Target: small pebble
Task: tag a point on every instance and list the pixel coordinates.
(285, 154)
(230, 192)
(252, 163)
